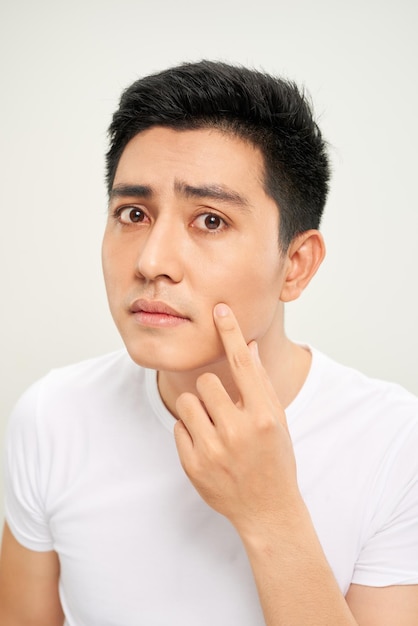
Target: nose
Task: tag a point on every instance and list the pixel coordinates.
(160, 253)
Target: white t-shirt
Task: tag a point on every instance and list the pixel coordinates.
(92, 472)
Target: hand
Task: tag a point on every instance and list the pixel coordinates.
(239, 456)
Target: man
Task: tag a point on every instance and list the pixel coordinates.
(217, 180)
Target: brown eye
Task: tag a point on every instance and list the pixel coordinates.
(131, 215)
(212, 222)
(136, 215)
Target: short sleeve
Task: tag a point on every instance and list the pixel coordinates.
(390, 554)
(24, 507)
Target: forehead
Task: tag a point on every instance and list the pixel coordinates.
(161, 156)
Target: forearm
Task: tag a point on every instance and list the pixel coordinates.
(295, 583)
(28, 585)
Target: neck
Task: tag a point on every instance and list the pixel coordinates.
(286, 363)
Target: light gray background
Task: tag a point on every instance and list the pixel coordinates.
(63, 66)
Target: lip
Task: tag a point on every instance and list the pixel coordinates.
(156, 313)
(155, 306)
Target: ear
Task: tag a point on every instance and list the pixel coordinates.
(304, 256)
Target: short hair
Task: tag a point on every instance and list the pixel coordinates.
(270, 112)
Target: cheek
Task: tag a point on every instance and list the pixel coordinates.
(251, 292)
(256, 313)
(116, 263)
(108, 273)
(107, 254)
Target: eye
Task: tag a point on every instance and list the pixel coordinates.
(131, 215)
(210, 222)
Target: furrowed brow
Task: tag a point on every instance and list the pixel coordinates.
(213, 192)
(121, 191)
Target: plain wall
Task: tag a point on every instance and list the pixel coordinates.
(63, 66)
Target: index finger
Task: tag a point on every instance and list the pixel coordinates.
(241, 361)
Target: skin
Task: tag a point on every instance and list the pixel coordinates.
(200, 234)
(28, 586)
(241, 461)
(172, 256)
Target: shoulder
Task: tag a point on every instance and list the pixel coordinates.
(355, 418)
(352, 391)
(90, 372)
(356, 439)
(73, 390)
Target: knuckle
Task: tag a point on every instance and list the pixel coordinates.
(195, 469)
(227, 324)
(234, 437)
(242, 359)
(185, 404)
(266, 423)
(208, 379)
(212, 450)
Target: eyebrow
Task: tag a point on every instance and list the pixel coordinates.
(211, 191)
(121, 191)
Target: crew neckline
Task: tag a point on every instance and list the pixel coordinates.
(292, 411)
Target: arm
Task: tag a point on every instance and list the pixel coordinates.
(28, 586)
(240, 458)
(384, 606)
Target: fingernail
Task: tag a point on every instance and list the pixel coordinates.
(221, 310)
(253, 346)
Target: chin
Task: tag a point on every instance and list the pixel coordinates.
(171, 360)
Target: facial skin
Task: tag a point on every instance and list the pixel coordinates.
(190, 225)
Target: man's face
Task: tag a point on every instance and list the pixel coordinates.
(189, 226)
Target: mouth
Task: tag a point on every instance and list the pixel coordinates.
(157, 314)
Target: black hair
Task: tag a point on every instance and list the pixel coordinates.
(270, 112)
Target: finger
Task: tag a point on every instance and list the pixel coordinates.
(245, 371)
(185, 447)
(182, 436)
(253, 348)
(268, 386)
(215, 398)
(193, 416)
